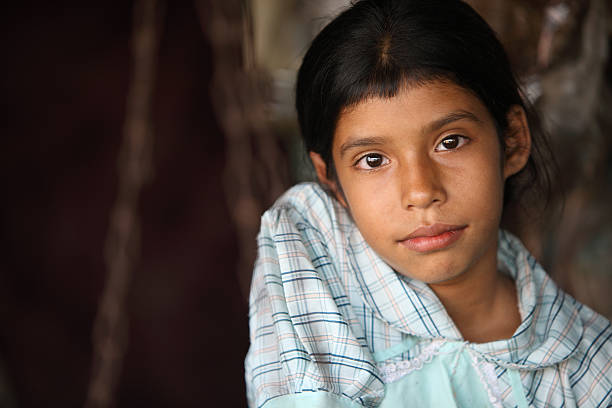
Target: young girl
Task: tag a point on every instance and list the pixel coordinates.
(390, 283)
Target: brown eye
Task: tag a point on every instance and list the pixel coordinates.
(452, 142)
(373, 160)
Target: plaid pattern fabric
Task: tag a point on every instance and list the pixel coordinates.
(325, 310)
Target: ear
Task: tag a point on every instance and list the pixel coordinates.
(321, 170)
(517, 140)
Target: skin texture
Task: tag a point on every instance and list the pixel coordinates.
(432, 155)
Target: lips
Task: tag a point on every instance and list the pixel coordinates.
(433, 237)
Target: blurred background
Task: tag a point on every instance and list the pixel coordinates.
(141, 142)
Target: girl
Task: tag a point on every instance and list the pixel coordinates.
(390, 283)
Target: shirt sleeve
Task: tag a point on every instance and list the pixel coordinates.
(303, 352)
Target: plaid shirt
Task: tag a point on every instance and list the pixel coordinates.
(327, 315)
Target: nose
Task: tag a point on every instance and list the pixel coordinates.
(421, 184)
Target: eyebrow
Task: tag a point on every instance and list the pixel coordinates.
(361, 142)
(450, 118)
(431, 127)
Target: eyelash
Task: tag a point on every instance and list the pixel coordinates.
(463, 140)
(365, 156)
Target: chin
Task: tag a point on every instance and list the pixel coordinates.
(432, 274)
(441, 279)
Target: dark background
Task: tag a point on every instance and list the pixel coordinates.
(64, 78)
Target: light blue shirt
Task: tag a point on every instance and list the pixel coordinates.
(332, 325)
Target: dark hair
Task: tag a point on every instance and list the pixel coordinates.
(376, 47)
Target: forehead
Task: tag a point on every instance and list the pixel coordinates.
(414, 106)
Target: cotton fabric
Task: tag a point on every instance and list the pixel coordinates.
(332, 325)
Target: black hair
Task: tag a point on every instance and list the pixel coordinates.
(376, 47)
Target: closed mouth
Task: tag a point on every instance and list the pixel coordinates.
(433, 237)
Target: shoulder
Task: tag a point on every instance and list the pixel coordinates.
(590, 368)
(303, 351)
(308, 204)
(301, 236)
(306, 217)
(560, 331)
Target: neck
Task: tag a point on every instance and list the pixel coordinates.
(481, 301)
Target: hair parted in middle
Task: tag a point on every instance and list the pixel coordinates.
(376, 48)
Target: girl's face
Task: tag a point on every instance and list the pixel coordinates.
(422, 175)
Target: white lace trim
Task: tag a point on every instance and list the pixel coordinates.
(486, 373)
(393, 371)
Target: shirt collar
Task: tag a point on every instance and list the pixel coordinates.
(550, 330)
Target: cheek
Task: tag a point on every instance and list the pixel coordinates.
(479, 186)
(368, 201)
